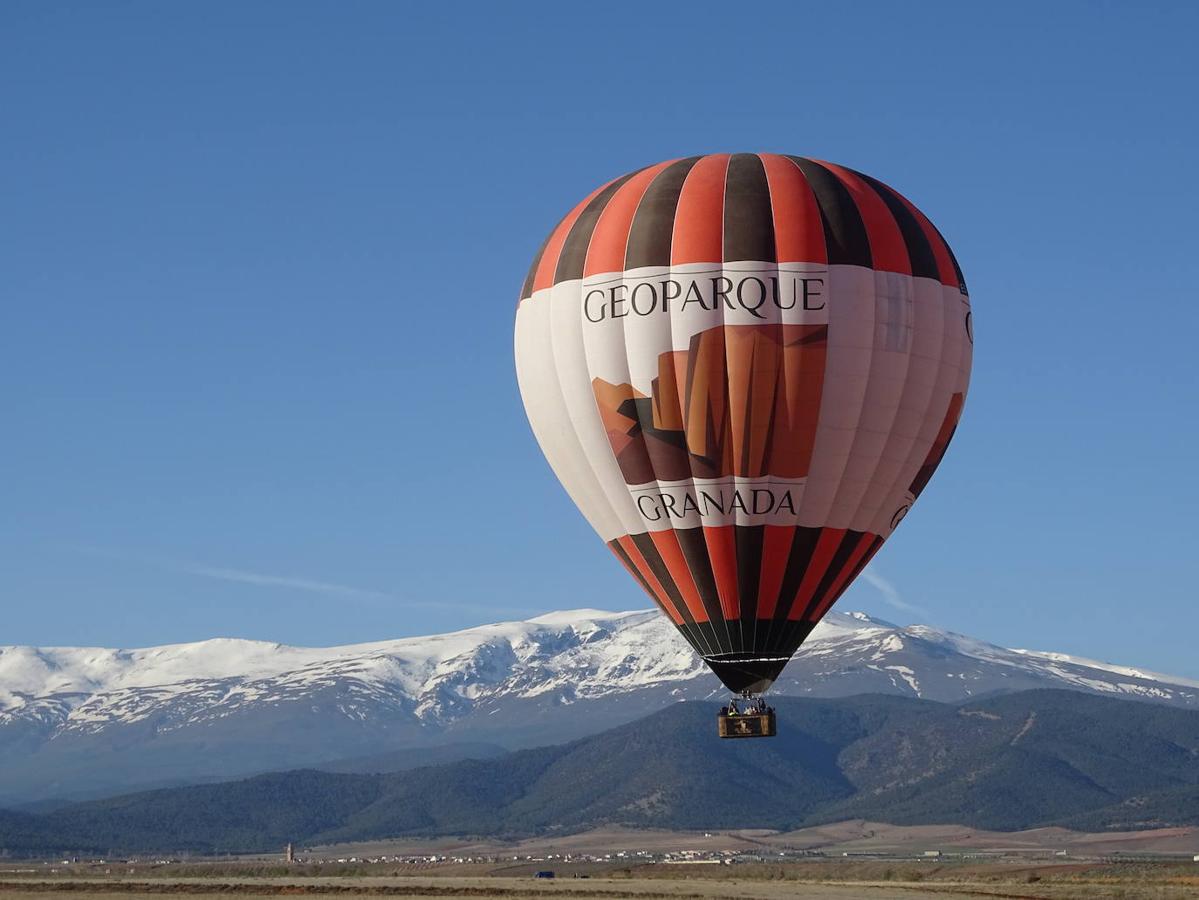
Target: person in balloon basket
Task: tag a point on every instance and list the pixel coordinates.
(757, 707)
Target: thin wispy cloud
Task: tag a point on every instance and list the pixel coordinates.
(240, 576)
(304, 584)
(318, 587)
(890, 594)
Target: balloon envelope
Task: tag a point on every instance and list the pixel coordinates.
(744, 369)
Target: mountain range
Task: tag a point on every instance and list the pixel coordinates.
(1007, 762)
(78, 723)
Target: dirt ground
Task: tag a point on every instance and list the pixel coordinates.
(1022, 885)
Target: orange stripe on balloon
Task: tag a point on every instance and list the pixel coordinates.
(722, 552)
(667, 543)
(865, 542)
(620, 554)
(553, 247)
(887, 247)
(798, 231)
(776, 550)
(657, 591)
(826, 546)
(699, 218)
(945, 268)
(606, 251)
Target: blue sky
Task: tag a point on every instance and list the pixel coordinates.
(259, 262)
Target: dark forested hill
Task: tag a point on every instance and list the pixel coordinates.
(1008, 762)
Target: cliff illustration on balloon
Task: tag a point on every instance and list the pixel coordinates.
(740, 400)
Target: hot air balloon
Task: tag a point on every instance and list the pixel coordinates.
(744, 369)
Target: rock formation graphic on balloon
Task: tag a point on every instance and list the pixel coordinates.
(740, 400)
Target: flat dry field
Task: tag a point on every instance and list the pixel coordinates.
(1060, 882)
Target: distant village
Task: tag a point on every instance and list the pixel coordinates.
(415, 863)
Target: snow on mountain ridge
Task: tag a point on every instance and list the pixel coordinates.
(1127, 671)
(47, 670)
(572, 654)
(463, 663)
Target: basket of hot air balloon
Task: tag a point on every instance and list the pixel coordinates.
(744, 369)
(754, 719)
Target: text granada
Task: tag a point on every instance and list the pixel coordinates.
(706, 502)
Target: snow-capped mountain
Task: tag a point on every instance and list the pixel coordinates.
(88, 721)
